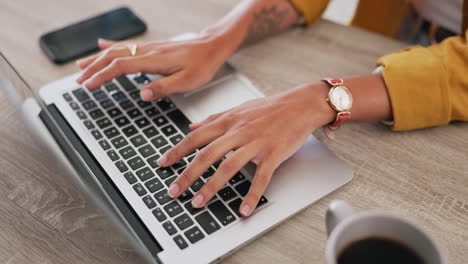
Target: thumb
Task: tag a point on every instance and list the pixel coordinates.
(164, 86)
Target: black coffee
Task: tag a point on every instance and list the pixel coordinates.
(378, 250)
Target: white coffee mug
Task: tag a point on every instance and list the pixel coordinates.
(344, 227)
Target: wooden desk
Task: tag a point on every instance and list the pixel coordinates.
(44, 218)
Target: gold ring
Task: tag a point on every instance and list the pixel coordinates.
(132, 48)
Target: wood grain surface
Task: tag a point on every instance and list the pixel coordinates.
(46, 218)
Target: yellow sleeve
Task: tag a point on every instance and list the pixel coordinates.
(310, 9)
(428, 86)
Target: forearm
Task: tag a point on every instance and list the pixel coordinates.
(251, 21)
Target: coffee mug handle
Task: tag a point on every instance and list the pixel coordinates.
(337, 211)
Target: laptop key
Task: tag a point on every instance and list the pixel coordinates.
(136, 163)
(146, 151)
(221, 212)
(81, 115)
(162, 197)
(88, 124)
(194, 234)
(179, 240)
(127, 152)
(125, 83)
(159, 214)
(80, 94)
(143, 104)
(153, 161)
(134, 113)
(114, 112)
(185, 196)
(164, 149)
(74, 106)
(127, 104)
(122, 121)
(145, 174)
(262, 201)
(165, 173)
(160, 121)
(88, 105)
(168, 130)
(150, 132)
(111, 132)
(179, 164)
(243, 188)
(173, 208)
(154, 185)
(165, 104)
(103, 123)
(150, 203)
(67, 97)
(227, 193)
(121, 166)
(96, 134)
(135, 95)
(169, 181)
(130, 177)
(197, 185)
(235, 206)
(137, 141)
(152, 112)
(208, 173)
(159, 142)
(139, 189)
(237, 178)
(169, 228)
(100, 95)
(183, 221)
(180, 120)
(112, 155)
(192, 210)
(119, 96)
(207, 222)
(176, 139)
(107, 103)
(110, 86)
(142, 79)
(104, 144)
(95, 114)
(130, 131)
(142, 122)
(119, 142)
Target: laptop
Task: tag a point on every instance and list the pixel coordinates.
(111, 139)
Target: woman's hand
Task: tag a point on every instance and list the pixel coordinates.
(185, 64)
(265, 131)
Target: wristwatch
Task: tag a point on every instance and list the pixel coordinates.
(341, 100)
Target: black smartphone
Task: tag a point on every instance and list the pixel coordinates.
(80, 39)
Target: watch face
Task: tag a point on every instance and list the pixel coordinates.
(341, 98)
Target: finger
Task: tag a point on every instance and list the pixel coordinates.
(228, 168)
(102, 61)
(175, 82)
(203, 160)
(119, 66)
(259, 184)
(189, 143)
(83, 63)
(105, 43)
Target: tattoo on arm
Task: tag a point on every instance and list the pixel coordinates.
(265, 23)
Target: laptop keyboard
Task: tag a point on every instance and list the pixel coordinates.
(134, 134)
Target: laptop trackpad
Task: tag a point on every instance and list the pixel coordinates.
(216, 98)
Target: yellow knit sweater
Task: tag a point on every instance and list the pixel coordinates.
(427, 86)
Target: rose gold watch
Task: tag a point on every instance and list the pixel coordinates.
(341, 100)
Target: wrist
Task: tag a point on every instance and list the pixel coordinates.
(222, 39)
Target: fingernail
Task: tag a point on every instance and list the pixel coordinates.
(85, 84)
(78, 62)
(197, 201)
(146, 95)
(245, 210)
(79, 79)
(162, 160)
(173, 190)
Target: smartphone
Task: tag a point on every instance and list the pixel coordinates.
(80, 39)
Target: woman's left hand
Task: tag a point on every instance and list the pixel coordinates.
(265, 131)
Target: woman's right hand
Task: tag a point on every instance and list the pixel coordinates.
(186, 64)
